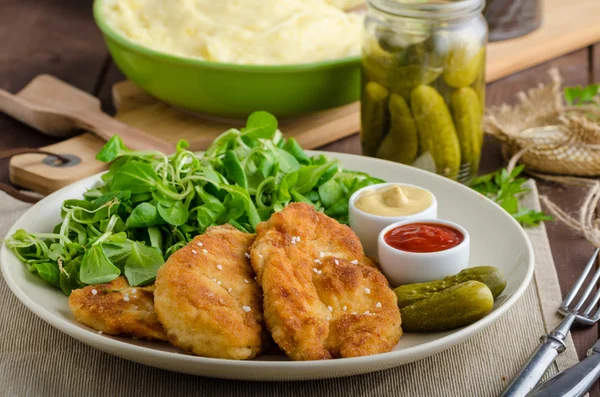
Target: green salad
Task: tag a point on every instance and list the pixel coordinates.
(148, 205)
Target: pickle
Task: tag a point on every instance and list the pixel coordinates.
(479, 87)
(400, 69)
(467, 119)
(452, 308)
(489, 275)
(399, 79)
(373, 112)
(437, 134)
(401, 144)
(463, 67)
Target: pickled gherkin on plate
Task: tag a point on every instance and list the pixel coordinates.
(374, 117)
(437, 134)
(401, 144)
(452, 308)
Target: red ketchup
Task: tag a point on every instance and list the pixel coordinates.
(423, 237)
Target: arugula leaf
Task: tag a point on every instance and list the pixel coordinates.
(142, 264)
(155, 237)
(182, 144)
(176, 215)
(136, 177)
(117, 253)
(260, 125)
(144, 215)
(222, 143)
(309, 176)
(234, 170)
(293, 148)
(96, 268)
(112, 149)
(69, 278)
(332, 191)
(48, 271)
(504, 188)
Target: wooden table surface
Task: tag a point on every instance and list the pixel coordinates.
(59, 37)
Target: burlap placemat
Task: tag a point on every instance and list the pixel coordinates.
(38, 360)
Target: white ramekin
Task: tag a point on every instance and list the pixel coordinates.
(367, 226)
(403, 267)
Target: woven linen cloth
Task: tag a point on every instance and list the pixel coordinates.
(38, 360)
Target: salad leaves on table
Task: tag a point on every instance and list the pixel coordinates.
(149, 205)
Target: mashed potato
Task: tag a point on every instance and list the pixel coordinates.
(260, 32)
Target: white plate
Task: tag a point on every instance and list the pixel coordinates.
(497, 239)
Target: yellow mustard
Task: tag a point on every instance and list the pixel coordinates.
(394, 200)
(260, 32)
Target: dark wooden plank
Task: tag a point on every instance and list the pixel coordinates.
(595, 63)
(57, 37)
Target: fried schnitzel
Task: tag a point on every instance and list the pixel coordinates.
(323, 298)
(115, 308)
(207, 299)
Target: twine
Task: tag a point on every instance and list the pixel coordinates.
(586, 223)
(559, 139)
(555, 143)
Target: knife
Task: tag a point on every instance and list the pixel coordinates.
(574, 381)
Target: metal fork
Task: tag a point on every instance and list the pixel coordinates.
(554, 343)
(464, 173)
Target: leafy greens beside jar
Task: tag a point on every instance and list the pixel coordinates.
(423, 84)
(148, 205)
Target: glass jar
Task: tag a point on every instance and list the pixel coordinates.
(423, 84)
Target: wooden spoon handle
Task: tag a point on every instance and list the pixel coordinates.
(105, 127)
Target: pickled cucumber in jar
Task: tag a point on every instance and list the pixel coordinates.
(423, 82)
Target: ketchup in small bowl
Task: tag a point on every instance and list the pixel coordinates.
(424, 250)
(423, 237)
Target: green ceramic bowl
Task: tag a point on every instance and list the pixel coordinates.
(230, 90)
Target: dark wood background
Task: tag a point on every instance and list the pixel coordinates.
(59, 37)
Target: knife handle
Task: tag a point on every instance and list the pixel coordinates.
(537, 364)
(574, 381)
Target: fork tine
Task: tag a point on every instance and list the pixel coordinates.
(592, 303)
(588, 290)
(580, 280)
(596, 316)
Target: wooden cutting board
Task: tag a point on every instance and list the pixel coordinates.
(138, 109)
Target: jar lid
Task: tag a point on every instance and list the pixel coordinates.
(445, 9)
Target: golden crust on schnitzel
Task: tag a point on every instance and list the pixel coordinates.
(115, 308)
(207, 299)
(322, 297)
